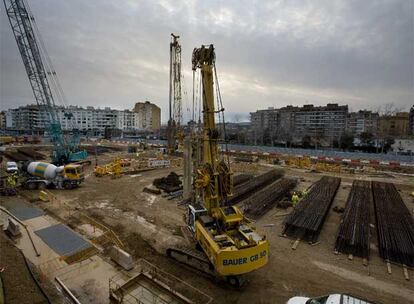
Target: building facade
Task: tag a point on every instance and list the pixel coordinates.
(327, 122)
(34, 118)
(2, 120)
(149, 116)
(363, 121)
(411, 121)
(394, 125)
(294, 123)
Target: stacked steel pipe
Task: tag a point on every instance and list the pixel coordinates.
(353, 234)
(306, 220)
(262, 201)
(242, 191)
(395, 226)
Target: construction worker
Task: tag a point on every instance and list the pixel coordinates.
(304, 193)
(295, 199)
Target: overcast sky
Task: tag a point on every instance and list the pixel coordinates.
(269, 53)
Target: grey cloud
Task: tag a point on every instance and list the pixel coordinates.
(269, 53)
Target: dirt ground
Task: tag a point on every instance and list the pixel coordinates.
(19, 286)
(150, 223)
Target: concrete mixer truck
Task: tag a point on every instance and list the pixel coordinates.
(40, 175)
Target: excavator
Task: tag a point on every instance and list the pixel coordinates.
(228, 244)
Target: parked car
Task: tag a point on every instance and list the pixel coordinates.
(11, 167)
(328, 299)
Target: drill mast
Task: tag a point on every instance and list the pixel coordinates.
(175, 107)
(214, 177)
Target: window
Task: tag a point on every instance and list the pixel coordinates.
(70, 171)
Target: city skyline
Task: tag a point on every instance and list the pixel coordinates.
(273, 54)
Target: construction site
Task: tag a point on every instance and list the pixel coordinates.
(190, 220)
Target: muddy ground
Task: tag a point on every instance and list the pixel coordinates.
(149, 223)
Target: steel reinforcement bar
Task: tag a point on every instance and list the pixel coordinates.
(241, 179)
(264, 200)
(244, 190)
(306, 220)
(353, 233)
(395, 226)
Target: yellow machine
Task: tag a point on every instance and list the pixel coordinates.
(113, 169)
(229, 243)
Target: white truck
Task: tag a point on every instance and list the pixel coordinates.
(11, 167)
(328, 299)
(41, 175)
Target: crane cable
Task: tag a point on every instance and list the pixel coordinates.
(50, 69)
(221, 109)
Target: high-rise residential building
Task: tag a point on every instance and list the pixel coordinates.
(30, 117)
(34, 118)
(394, 125)
(149, 115)
(2, 120)
(263, 119)
(327, 122)
(411, 121)
(363, 121)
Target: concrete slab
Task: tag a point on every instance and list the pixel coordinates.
(22, 209)
(62, 239)
(88, 280)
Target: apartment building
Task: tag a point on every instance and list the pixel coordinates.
(363, 121)
(411, 121)
(149, 115)
(2, 120)
(394, 125)
(296, 122)
(32, 117)
(321, 122)
(264, 119)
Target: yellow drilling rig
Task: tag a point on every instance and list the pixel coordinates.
(228, 245)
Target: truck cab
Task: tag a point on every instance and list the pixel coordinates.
(73, 172)
(328, 299)
(73, 176)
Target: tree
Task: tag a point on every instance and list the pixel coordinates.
(388, 143)
(306, 141)
(366, 138)
(346, 141)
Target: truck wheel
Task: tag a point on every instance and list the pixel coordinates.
(67, 186)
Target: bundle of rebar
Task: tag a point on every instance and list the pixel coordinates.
(264, 200)
(30, 152)
(170, 183)
(16, 156)
(395, 226)
(353, 233)
(241, 178)
(306, 220)
(242, 191)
